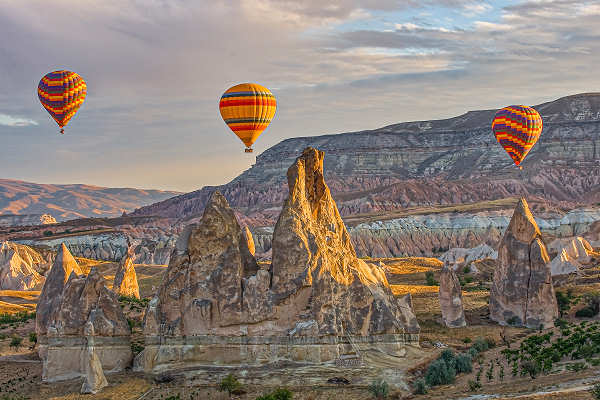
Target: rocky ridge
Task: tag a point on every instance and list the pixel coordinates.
(444, 162)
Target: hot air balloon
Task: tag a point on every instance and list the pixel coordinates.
(62, 93)
(247, 109)
(517, 129)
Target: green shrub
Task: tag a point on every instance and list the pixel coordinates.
(513, 321)
(468, 279)
(474, 386)
(430, 279)
(420, 387)
(467, 269)
(16, 342)
(282, 394)
(23, 316)
(438, 373)
(379, 389)
(530, 367)
(473, 353)
(136, 348)
(595, 390)
(33, 337)
(176, 397)
(230, 385)
(467, 340)
(490, 342)
(481, 345)
(564, 303)
(48, 233)
(464, 364)
(593, 306)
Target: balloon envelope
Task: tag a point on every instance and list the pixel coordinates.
(248, 109)
(517, 129)
(62, 93)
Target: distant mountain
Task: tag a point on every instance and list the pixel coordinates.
(425, 164)
(73, 201)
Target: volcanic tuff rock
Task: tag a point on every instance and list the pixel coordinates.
(94, 379)
(19, 266)
(426, 163)
(463, 257)
(314, 260)
(522, 292)
(202, 291)
(450, 295)
(50, 297)
(85, 308)
(250, 240)
(126, 283)
(215, 305)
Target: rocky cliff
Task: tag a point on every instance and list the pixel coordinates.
(26, 219)
(444, 162)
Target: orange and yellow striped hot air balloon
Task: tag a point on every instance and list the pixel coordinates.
(62, 93)
(248, 109)
(517, 129)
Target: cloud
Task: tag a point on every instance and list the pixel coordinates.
(155, 70)
(8, 120)
(473, 9)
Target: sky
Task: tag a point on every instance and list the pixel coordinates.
(155, 71)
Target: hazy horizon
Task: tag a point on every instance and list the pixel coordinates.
(155, 71)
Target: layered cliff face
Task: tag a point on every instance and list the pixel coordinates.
(453, 161)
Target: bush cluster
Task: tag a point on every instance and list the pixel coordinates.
(277, 394)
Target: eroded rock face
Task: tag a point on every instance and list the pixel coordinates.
(202, 292)
(76, 307)
(50, 297)
(216, 306)
(19, 266)
(126, 283)
(450, 295)
(250, 240)
(314, 263)
(522, 292)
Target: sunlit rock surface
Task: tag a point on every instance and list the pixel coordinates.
(317, 304)
(125, 282)
(19, 266)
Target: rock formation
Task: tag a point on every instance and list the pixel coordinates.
(458, 257)
(126, 283)
(314, 261)
(216, 306)
(26, 220)
(71, 309)
(19, 266)
(250, 240)
(522, 292)
(93, 374)
(564, 264)
(450, 295)
(50, 297)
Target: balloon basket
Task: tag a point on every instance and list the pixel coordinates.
(248, 150)
(62, 131)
